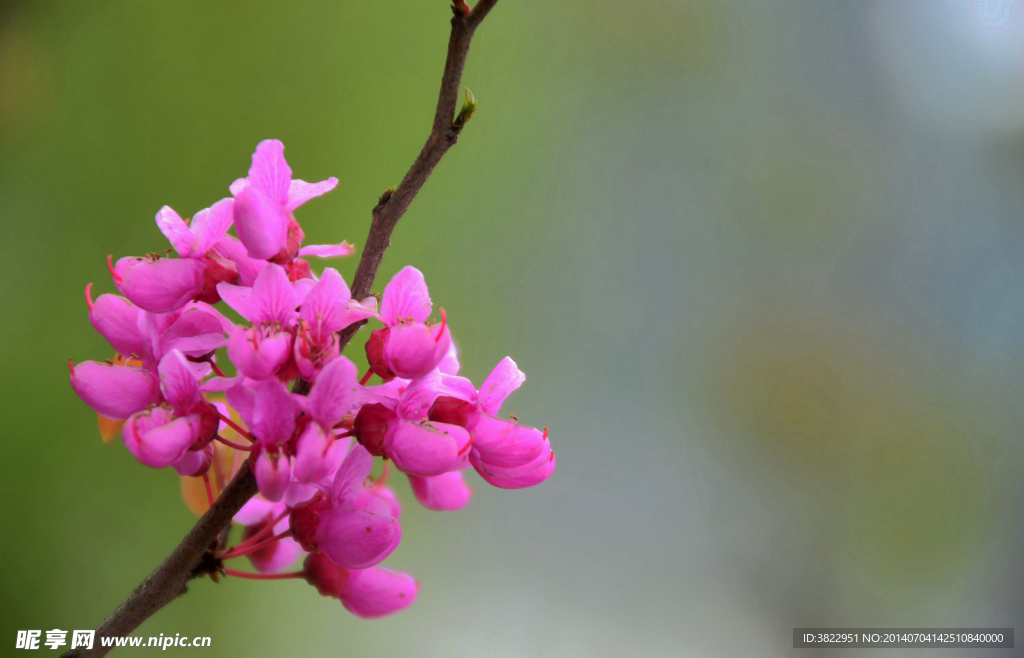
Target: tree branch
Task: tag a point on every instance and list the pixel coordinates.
(193, 555)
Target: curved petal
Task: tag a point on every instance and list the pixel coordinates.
(176, 230)
(117, 319)
(236, 297)
(505, 444)
(328, 250)
(162, 285)
(270, 172)
(406, 298)
(505, 378)
(377, 592)
(447, 492)
(211, 224)
(260, 358)
(426, 449)
(413, 350)
(335, 393)
(272, 475)
(272, 298)
(534, 477)
(299, 191)
(273, 415)
(177, 383)
(351, 475)
(355, 539)
(259, 223)
(115, 391)
(324, 307)
(162, 445)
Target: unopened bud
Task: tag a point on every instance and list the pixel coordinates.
(468, 108)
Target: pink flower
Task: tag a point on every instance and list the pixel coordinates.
(367, 593)
(198, 241)
(115, 391)
(326, 310)
(263, 349)
(355, 527)
(407, 347)
(447, 492)
(255, 516)
(264, 203)
(159, 284)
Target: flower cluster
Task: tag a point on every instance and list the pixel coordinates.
(297, 409)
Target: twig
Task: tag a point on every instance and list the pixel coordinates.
(193, 556)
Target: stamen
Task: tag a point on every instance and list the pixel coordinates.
(545, 434)
(88, 295)
(265, 576)
(71, 366)
(110, 266)
(383, 475)
(209, 489)
(239, 552)
(444, 321)
(236, 446)
(262, 533)
(235, 426)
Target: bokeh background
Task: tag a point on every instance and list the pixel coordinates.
(763, 263)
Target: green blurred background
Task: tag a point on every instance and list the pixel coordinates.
(763, 263)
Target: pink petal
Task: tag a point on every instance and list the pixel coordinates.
(233, 250)
(413, 350)
(272, 298)
(377, 592)
(328, 250)
(274, 413)
(272, 475)
(447, 492)
(159, 445)
(310, 452)
(277, 557)
(351, 475)
(117, 320)
(426, 449)
(299, 192)
(176, 230)
(196, 332)
(357, 310)
(163, 285)
(419, 395)
(505, 378)
(449, 364)
(260, 224)
(355, 539)
(236, 297)
(335, 393)
(505, 444)
(115, 391)
(270, 172)
(177, 383)
(194, 462)
(406, 298)
(242, 399)
(259, 358)
(534, 477)
(324, 307)
(210, 225)
(256, 510)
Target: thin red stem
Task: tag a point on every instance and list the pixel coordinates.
(239, 552)
(261, 534)
(217, 370)
(238, 428)
(366, 377)
(265, 576)
(209, 489)
(236, 446)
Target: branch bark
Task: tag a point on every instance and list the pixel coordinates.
(187, 560)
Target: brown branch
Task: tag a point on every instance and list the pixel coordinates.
(194, 555)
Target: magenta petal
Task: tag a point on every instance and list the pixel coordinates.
(355, 539)
(163, 285)
(159, 445)
(506, 444)
(117, 320)
(194, 462)
(233, 250)
(299, 191)
(270, 172)
(335, 393)
(115, 391)
(351, 475)
(177, 383)
(406, 298)
(324, 307)
(272, 475)
(258, 358)
(236, 297)
(272, 298)
(413, 350)
(426, 449)
(447, 492)
(196, 332)
(273, 415)
(210, 225)
(328, 250)
(310, 452)
(377, 592)
(176, 230)
(505, 378)
(534, 477)
(256, 510)
(277, 557)
(260, 224)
